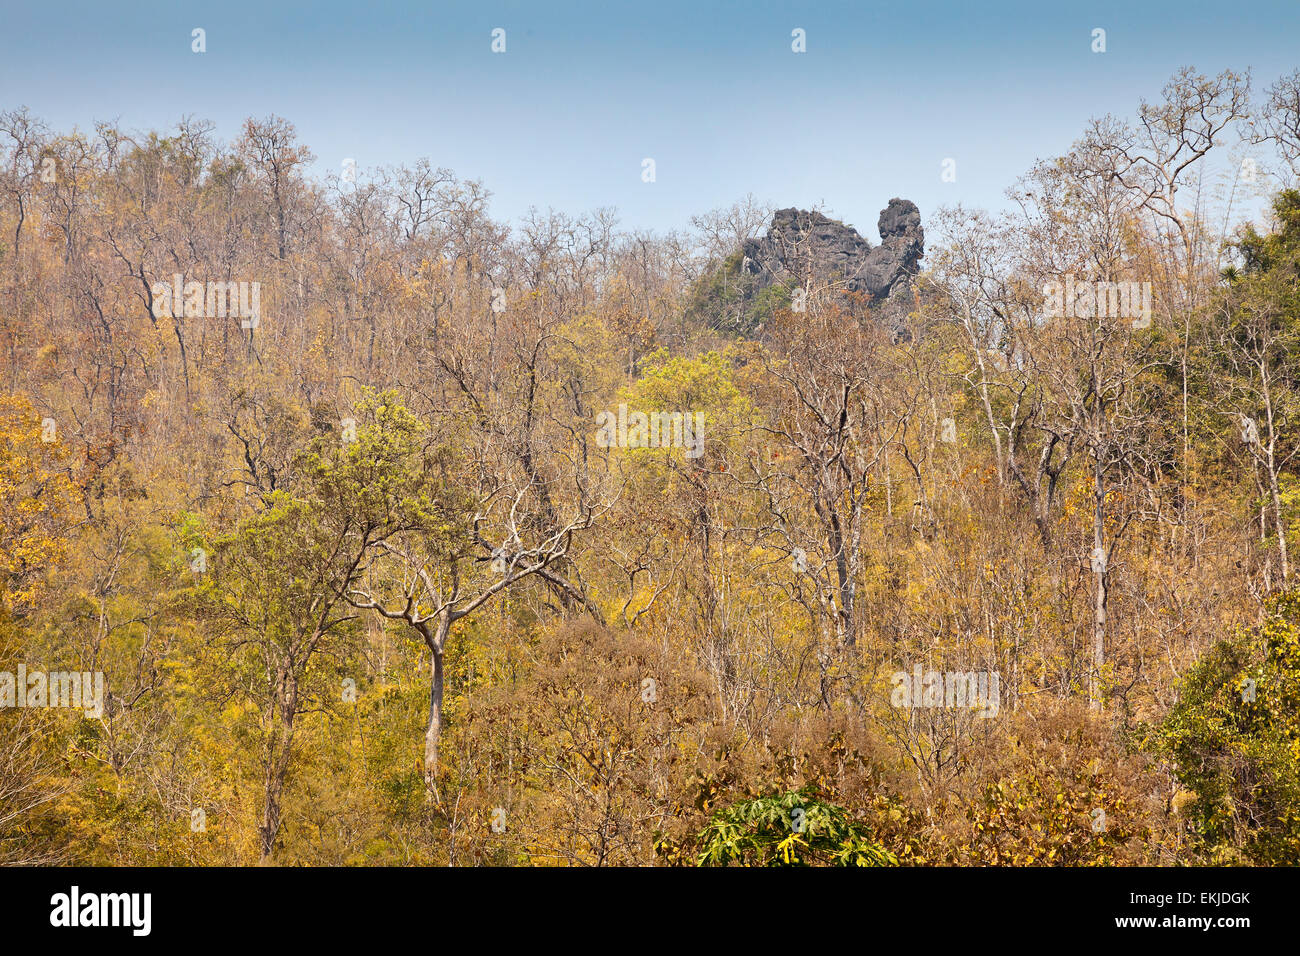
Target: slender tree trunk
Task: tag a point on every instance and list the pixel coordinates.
(277, 767)
(437, 642)
(835, 540)
(1100, 572)
(433, 733)
(1279, 523)
(988, 408)
(1274, 493)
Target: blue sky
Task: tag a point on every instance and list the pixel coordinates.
(586, 90)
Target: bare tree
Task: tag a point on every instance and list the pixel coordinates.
(441, 585)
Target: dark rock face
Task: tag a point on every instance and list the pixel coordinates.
(806, 247)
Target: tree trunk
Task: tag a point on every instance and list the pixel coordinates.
(1100, 587)
(433, 733)
(1273, 490)
(1280, 524)
(437, 643)
(277, 767)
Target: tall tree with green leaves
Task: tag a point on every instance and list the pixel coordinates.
(1234, 739)
(1259, 332)
(280, 581)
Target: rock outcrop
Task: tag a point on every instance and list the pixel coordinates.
(803, 247)
(806, 250)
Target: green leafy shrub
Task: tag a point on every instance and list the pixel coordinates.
(793, 829)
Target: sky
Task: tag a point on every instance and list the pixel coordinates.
(586, 91)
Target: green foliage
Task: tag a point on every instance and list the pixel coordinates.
(724, 299)
(1240, 757)
(1277, 249)
(792, 829)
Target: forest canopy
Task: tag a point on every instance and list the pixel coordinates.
(397, 534)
